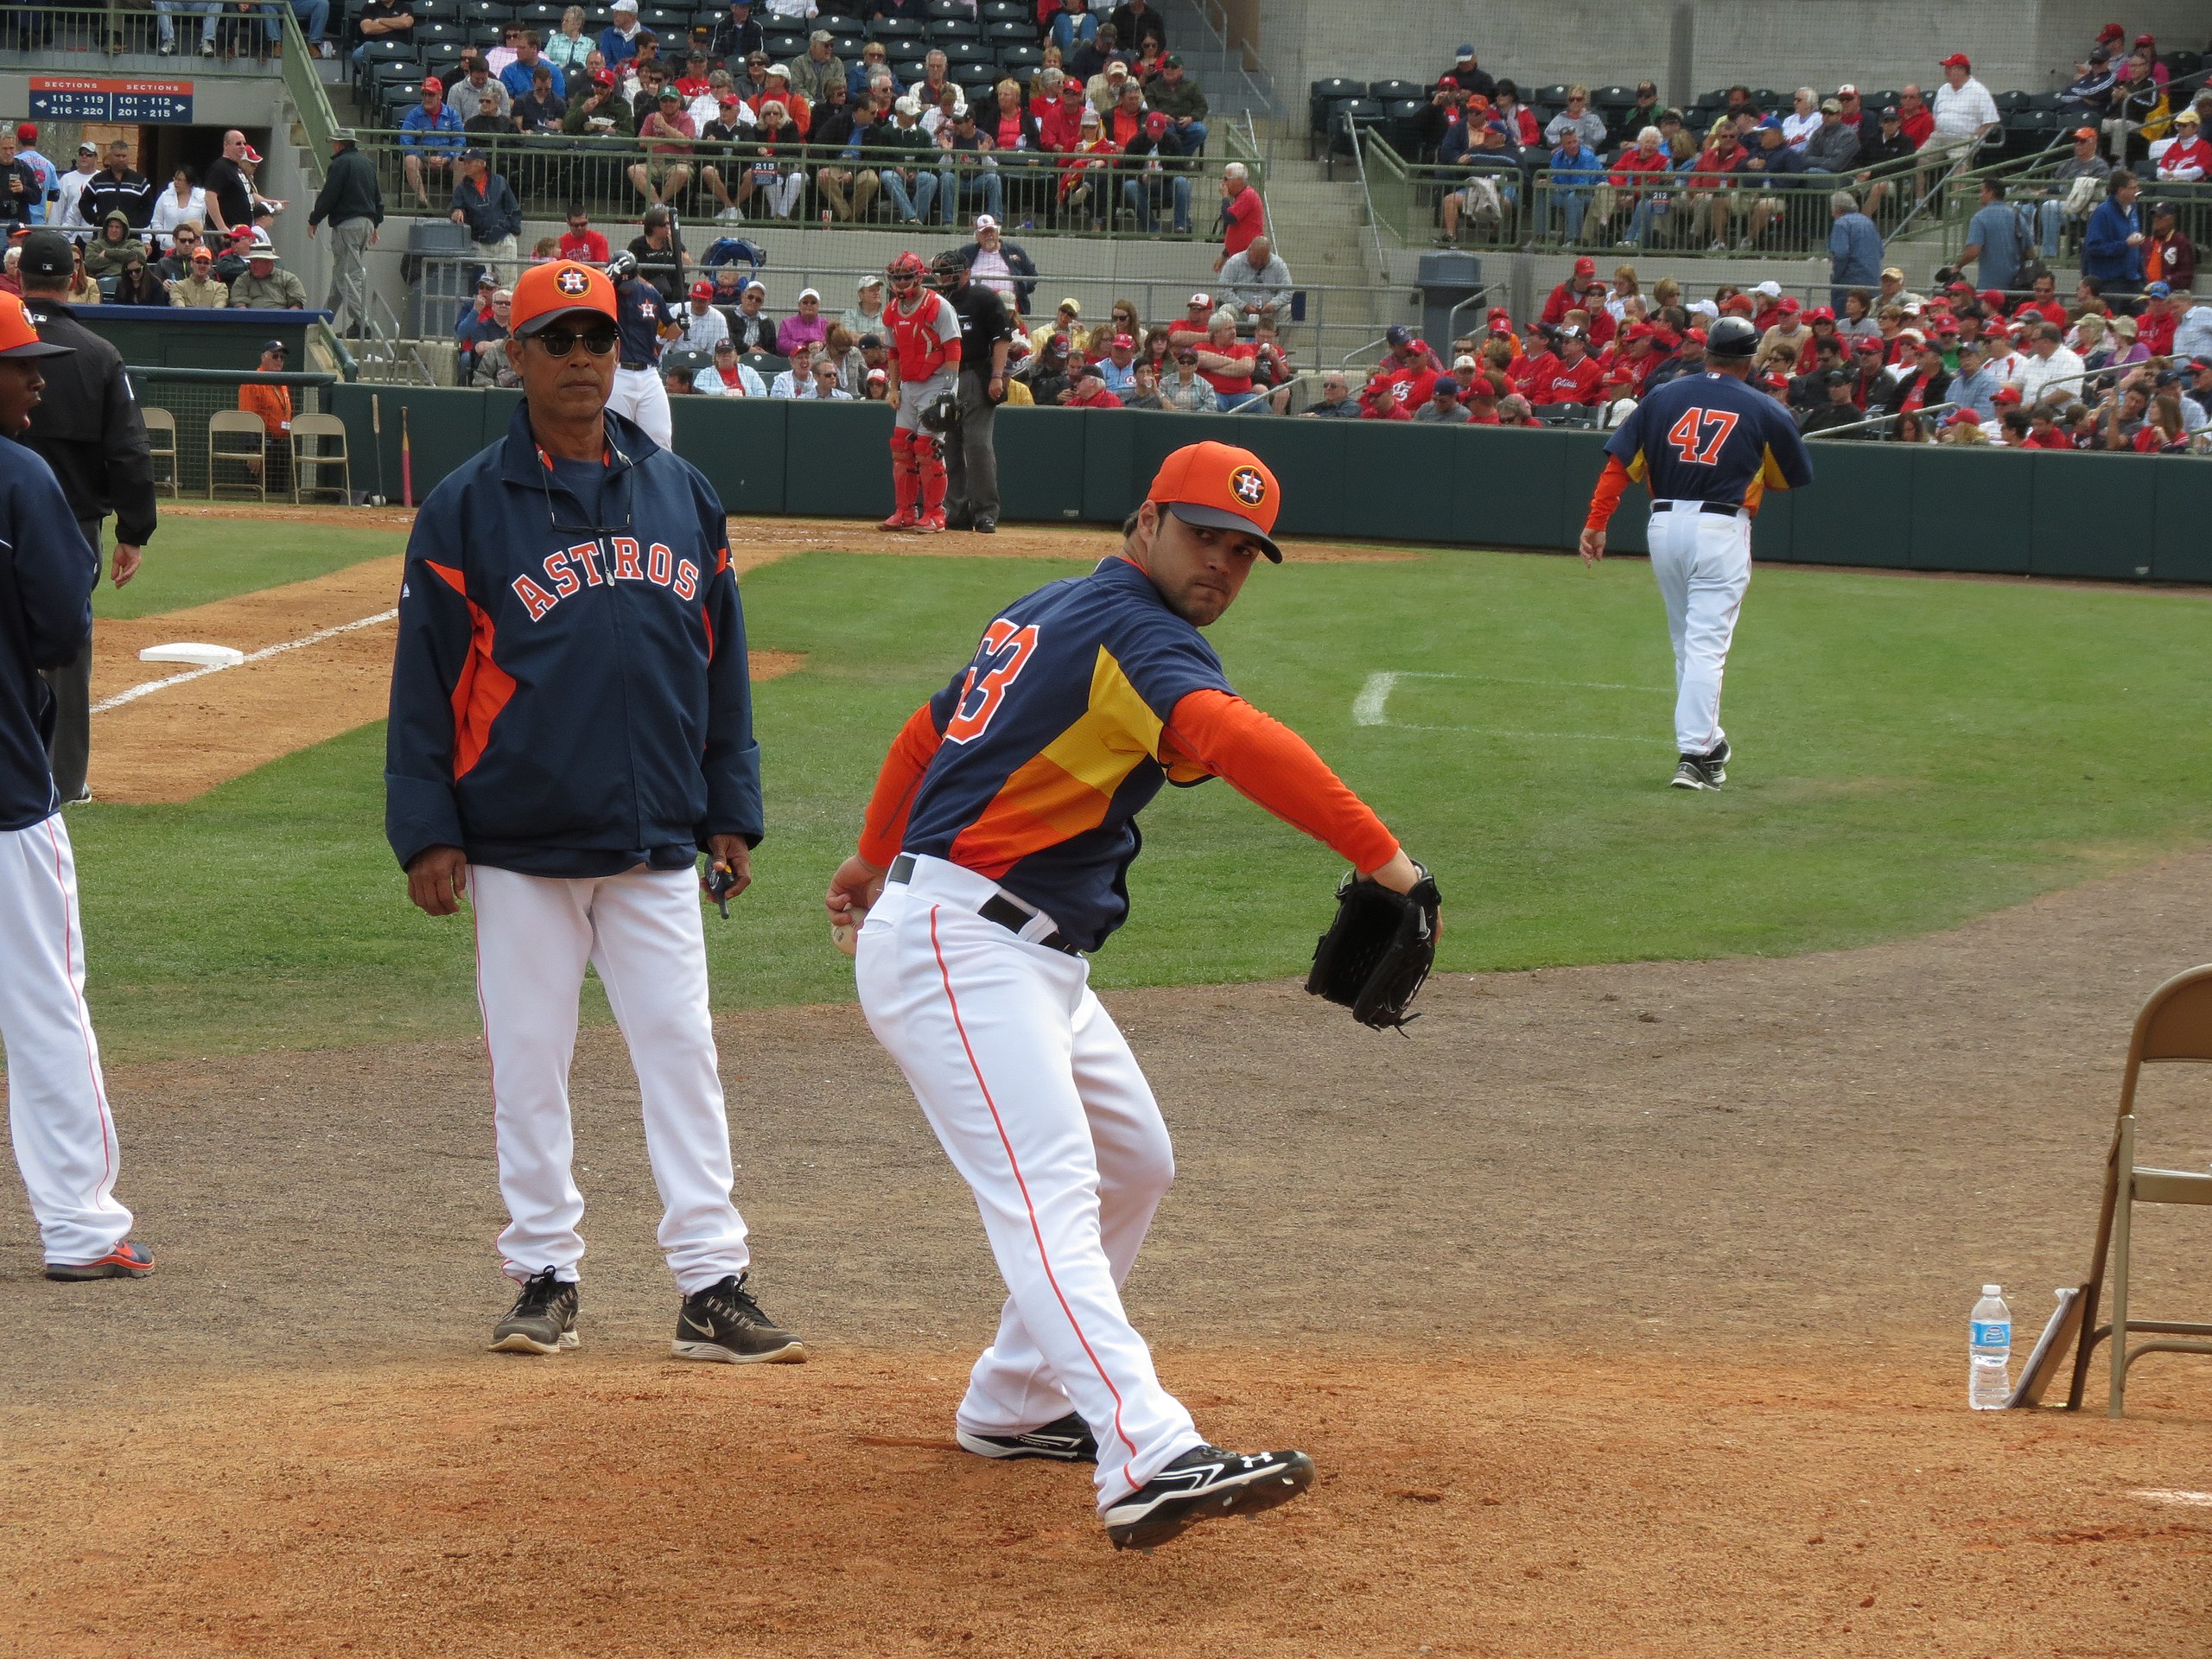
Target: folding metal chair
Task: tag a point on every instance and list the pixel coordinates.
(2176, 1024)
(241, 424)
(161, 445)
(319, 441)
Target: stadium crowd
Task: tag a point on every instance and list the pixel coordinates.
(1653, 175)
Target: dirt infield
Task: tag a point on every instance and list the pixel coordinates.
(180, 741)
(1620, 1306)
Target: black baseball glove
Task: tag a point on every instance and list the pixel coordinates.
(1378, 950)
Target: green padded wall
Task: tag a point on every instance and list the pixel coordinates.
(1041, 465)
(1872, 529)
(738, 443)
(1973, 508)
(837, 460)
(2087, 518)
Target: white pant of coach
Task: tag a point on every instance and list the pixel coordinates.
(643, 396)
(58, 1113)
(642, 931)
(1703, 565)
(1036, 1098)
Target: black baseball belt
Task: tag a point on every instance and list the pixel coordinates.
(997, 908)
(1726, 510)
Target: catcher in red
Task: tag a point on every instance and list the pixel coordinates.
(924, 364)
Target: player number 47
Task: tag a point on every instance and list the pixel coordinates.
(1688, 435)
(998, 662)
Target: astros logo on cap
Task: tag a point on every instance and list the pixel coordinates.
(572, 281)
(1220, 486)
(1250, 488)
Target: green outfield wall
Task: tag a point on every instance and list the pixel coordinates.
(2119, 518)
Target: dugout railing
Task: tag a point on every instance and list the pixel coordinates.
(1920, 508)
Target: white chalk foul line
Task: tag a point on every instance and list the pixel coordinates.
(2186, 1500)
(1372, 706)
(300, 644)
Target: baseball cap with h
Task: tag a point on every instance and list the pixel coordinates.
(556, 289)
(19, 339)
(1219, 486)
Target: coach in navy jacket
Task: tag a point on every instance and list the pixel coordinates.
(567, 703)
(47, 575)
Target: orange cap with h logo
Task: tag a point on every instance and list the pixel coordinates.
(555, 288)
(1221, 486)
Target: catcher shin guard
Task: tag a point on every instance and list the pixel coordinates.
(929, 462)
(905, 484)
(1378, 952)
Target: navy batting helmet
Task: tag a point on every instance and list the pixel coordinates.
(622, 267)
(1731, 337)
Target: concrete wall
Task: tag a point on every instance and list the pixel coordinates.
(1691, 47)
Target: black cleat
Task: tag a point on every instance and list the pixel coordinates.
(1205, 1482)
(1066, 1440)
(985, 525)
(123, 1259)
(958, 518)
(1691, 771)
(543, 1319)
(724, 1325)
(1716, 763)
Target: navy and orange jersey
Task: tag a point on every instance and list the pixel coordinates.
(1082, 698)
(1710, 437)
(639, 314)
(569, 692)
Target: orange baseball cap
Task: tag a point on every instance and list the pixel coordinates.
(555, 289)
(1221, 487)
(19, 339)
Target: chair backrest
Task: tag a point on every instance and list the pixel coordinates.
(241, 421)
(2175, 1023)
(159, 423)
(320, 426)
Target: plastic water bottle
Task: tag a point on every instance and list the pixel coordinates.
(1990, 1333)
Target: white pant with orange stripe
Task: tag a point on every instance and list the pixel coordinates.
(57, 1100)
(1035, 1096)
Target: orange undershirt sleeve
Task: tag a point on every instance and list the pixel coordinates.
(1267, 762)
(1607, 496)
(885, 828)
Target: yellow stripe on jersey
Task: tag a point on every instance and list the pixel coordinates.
(1637, 469)
(1771, 469)
(1067, 786)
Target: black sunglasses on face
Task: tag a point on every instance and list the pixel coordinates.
(559, 342)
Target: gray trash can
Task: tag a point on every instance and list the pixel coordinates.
(438, 254)
(1448, 278)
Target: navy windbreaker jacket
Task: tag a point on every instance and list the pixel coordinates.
(564, 704)
(47, 575)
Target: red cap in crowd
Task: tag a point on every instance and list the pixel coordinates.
(1956, 60)
(1452, 81)
(1695, 337)
(1788, 305)
(1964, 417)
(1819, 313)
(1219, 486)
(1586, 266)
(1946, 325)
(702, 290)
(432, 84)
(1155, 124)
(26, 133)
(1992, 299)
(2007, 395)
(2111, 32)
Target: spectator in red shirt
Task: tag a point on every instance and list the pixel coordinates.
(1915, 119)
(1581, 290)
(2044, 432)
(1089, 391)
(582, 242)
(2045, 302)
(1225, 363)
(1709, 191)
(2154, 326)
(1193, 326)
(1378, 399)
(1243, 216)
(1565, 374)
(1059, 128)
(1518, 119)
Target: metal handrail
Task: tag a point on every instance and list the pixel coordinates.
(1367, 193)
(304, 86)
(1935, 191)
(1240, 56)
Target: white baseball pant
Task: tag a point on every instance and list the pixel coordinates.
(1037, 1100)
(1703, 565)
(643, 396)
(642, 931)
(58, 1113)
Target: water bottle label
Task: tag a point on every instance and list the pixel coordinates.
(1993, 1333)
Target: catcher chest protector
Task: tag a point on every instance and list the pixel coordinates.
(1378, 951)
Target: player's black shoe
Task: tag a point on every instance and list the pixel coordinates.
(543, 1319)
(1203, 1483)
(1716, 762)
(985, 525)
(1065, 1439)
(1691, 771)
(724, 1325)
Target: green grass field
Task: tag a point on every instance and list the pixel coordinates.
(1909, 753)
(197, 561)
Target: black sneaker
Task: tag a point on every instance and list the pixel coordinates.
(543, 1319)
(1203, 1483)
(958, 518)
(1692, 773)
(1716, 763)
(723, 1324)
(987, 525)
(1066, 1440)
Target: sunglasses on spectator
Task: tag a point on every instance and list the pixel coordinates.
(559, 342)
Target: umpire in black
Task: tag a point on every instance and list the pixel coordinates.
(971, 486)
(86, 427)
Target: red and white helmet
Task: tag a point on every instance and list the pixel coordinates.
(906, 272)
